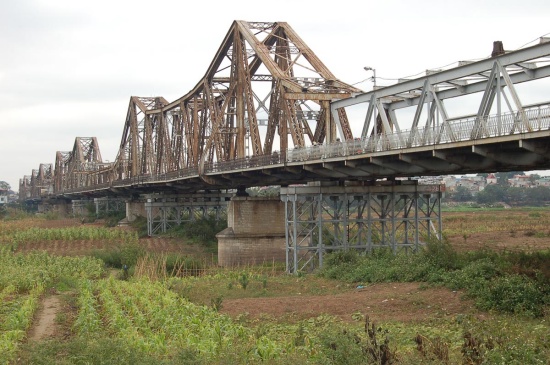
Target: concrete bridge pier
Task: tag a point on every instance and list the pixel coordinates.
(79, 207)
(255, 232)
(135, 208)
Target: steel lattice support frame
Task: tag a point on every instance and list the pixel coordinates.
(321, 219)
(166, 211)
(109, 205)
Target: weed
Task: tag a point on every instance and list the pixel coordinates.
(216, 303)
(436, 349)
(474, 349)
(244, 279)
(61, 318)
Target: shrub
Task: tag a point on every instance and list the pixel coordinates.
(441, 254)
(342, 257)
(124, 254)
(515, 294)
(201, 231)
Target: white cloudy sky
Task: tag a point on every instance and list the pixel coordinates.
(68, 68)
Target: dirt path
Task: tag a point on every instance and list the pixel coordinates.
(44, 323)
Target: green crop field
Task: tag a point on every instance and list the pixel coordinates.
(128, 304)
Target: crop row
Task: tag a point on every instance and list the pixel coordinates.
(16, 313)
(67, 234)
(151, 318)
(23, 279)
(24, 272)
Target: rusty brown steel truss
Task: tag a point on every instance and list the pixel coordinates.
(40, 182)
(263, 83)
(82, 166)
(264, 91)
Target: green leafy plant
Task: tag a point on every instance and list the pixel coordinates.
(244, 279)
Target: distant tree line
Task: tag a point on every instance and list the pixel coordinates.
(503, 192)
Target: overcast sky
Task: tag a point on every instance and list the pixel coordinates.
(68, 68)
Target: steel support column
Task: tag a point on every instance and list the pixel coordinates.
(107, 205)
(166, 211)
(324, 219)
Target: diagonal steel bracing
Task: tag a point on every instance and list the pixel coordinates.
(268, 111)
(263, 83)
(494, 79)
(324, 219)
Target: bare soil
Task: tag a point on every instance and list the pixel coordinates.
(384, 302)
(44, 325)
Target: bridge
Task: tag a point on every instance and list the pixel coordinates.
(269, 112)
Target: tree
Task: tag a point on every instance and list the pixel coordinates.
(461, 194)
(503, 177)
(538, 195)
(533, 178)
(4, 185)
(515, 195)
(491, 194)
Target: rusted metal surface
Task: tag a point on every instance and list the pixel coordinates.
(261, 72)
(264, 91)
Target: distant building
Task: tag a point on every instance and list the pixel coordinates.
(491, 179)
(450, 182)
(520, 181)
(4, 196)
(473, 183)
(543, 181)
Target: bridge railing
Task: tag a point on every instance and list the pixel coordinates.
(245, 163)
(526, 120)
(530, 119)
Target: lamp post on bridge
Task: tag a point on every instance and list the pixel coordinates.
(373, 78)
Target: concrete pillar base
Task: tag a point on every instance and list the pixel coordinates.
(135, 209)
(255, 232)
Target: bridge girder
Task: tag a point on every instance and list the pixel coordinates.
(495, 78)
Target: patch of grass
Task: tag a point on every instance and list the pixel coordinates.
(83, 351)
(66, 283)
(488, 277)
(120, 255)
(202, 290)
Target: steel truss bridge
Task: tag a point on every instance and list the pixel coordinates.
(269, 112)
